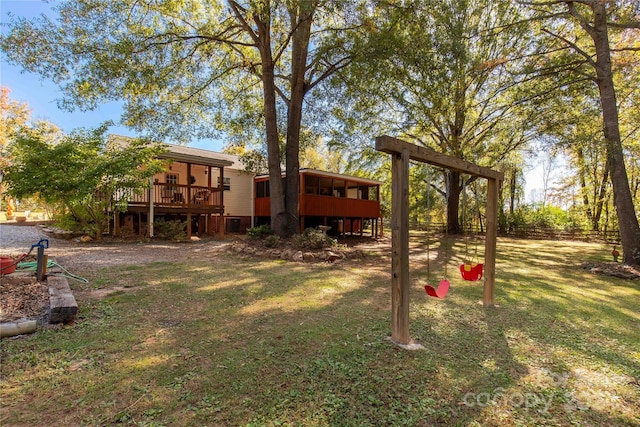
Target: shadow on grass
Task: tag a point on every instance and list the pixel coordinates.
(252, 342)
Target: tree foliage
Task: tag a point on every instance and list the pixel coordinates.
(579, 43)
(446, 84)
(15, 119)
(194, 68)
(81, 174)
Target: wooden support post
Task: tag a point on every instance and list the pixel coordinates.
(221, 225)
(151, 206)
(221, 187)
(490, 243)
(400, 248)
(116, 223)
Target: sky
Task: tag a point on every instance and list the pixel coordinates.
(41, 96)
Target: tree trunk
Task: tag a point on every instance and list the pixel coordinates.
(301, 18)
(453, 202)
(627, 219)
(277, 200)
(602, 196)
(512, 191)
(582, 172)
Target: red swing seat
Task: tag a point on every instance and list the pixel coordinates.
(471, 272)
(441, 291)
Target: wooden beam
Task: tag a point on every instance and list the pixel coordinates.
(391, 145)
(400, 248)
(62, 304)
(151, 204)
(221, 187)
(189, 231)
(490, 243)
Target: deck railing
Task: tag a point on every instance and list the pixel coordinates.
(174, 195)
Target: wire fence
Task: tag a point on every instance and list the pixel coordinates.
(527, 232)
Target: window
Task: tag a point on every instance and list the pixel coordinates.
(169, 179)
(338, 188)
(311, 184)
(353, 192)
(371, 192)
(227, 183)
(325, 186)
(262, 189)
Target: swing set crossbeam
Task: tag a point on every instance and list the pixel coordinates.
(391, 145)
(401, 152)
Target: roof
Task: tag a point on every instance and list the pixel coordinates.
(183, 153)
(333, 175)
(198, 155)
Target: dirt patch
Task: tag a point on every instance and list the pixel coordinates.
(614, 269)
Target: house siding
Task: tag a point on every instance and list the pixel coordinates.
(238, 199)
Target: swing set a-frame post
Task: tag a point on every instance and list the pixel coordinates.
(401, 152)
(400, 247)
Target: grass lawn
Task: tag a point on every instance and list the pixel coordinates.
(244, 341)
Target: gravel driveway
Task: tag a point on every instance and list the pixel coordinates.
(73, 255)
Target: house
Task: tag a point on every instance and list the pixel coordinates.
(344, 203)
(210, 191)
(213, 194)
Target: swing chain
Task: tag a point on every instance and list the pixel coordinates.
(464, 225)
(475, 193)
(428, 222)
(446, 222)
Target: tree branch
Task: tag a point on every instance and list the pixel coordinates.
(573, 46)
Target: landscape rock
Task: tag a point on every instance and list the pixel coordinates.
(331, 257)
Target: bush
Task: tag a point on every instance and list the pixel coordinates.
(313, 239)
(272, 241)
(550, 218)
(259, 232)
(170, 230)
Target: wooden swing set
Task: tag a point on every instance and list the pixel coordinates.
(401, 152)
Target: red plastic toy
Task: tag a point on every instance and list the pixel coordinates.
(471, 272)
(441, 292)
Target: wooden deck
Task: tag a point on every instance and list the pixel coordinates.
(176, 198)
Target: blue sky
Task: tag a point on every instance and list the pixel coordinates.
(41, 95)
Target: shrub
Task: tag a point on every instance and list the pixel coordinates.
(313, 239)
(272, 241)
(259, 232)
(170, 230)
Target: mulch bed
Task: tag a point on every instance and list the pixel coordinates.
(22, 297)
